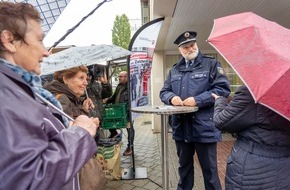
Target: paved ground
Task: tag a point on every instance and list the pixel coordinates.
(147, 155)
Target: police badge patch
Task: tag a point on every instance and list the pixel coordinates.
(221, 70)
(186, 34)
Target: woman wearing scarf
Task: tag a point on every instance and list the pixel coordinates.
(36, 150)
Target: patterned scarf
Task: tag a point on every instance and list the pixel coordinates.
(35, 83)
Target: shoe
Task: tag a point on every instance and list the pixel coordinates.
(127, 152)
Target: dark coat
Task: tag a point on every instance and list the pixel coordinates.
(35, 150)
(98, 91)
(71, 105)
(124, 96)
(199, 80)
(260, 158)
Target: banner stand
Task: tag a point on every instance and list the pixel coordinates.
(144, 38)
(140, 173)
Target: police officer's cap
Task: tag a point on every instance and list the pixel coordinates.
(185, 37)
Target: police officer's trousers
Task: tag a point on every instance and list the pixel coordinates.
(207, 156)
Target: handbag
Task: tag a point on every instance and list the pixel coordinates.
(110, 160)
(91, 176)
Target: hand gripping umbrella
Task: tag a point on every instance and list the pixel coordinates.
(259, 51)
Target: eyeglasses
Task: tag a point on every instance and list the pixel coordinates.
(121, 76)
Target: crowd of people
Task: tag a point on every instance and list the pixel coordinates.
(48, 132)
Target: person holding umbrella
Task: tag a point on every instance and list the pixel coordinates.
(68, 87)
(36, 150)
(190, 83)
(98, 89)
(259, 111)
(261, 154)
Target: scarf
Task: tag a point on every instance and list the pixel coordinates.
(34, 82)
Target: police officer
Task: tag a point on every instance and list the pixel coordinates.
(190, 83)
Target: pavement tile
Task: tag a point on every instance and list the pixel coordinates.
(147, 153)
(125, 186)
(150, 186)
(139, 183)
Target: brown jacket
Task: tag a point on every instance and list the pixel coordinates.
(70, 103)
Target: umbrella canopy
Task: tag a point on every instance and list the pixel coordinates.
(258, 50)
(86, 55)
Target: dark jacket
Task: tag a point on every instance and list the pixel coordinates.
(124, 96)
(35, 150)
(260, 158)
(98, 91)
(71, 105)
(199, 80)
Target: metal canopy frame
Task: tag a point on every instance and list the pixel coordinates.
(48, 9)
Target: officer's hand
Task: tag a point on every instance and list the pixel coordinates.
(176, 101)
(189, 101)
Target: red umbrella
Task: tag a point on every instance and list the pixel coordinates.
(259, 51)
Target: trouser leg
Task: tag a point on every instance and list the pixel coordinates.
(131, 136)
(185, 152)
(207, 156)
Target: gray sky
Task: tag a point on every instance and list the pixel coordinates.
(96, 29)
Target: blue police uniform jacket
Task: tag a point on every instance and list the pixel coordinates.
(198, 80)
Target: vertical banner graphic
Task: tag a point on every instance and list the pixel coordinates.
(140, 62)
